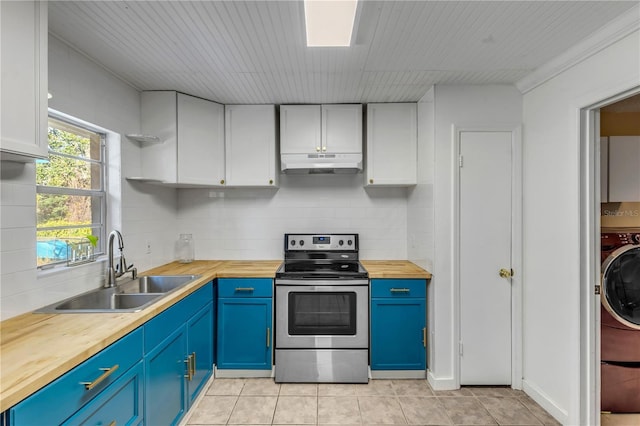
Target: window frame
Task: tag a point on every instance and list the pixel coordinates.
(101, 193)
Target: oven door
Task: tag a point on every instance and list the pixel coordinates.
(313, 314)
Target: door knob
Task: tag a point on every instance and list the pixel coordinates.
(506, 273)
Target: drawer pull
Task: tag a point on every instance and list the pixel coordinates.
(244, 289)
(96, 382)
(399, 290)
(189, 374)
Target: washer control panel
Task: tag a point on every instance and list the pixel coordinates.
(324, 242)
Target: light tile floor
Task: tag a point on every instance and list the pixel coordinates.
(264, 402)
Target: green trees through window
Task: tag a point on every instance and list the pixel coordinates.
(70, 191)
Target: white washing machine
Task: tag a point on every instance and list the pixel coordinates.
(620, 331)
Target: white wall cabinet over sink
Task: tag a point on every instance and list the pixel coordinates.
(190, 146)
(392, 141)
(328, 129)
(23, 34)
(250, 146)
(624, 169)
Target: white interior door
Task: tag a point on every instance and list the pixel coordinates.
(485, 232)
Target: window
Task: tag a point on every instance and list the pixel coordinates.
(70, 192)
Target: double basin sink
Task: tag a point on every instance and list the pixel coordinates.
(128, 296)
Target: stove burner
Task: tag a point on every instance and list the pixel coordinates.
(323, 257)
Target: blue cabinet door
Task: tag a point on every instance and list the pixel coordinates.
(120, 404)
(244, 333)
(165, 370)
(397, 332)
(200, 349)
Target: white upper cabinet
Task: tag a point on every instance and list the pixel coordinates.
(392, 135)
(23, 34)
(250, 145)
(190, 145)
(624, 168)
(300, 129)
(604, 169)
(329, 129)
(342, 129)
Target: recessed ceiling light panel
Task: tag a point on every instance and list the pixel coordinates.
(329, 23)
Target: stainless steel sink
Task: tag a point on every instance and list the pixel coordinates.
(129, 296)
(155, 283)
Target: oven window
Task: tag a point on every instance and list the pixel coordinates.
(322, 313)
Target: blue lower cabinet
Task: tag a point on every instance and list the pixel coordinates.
(151, 376)
(177, 367)
(200, 349)
(244, 324)
(165, 370)
(121, 405)
(111, 373)
(398, 325)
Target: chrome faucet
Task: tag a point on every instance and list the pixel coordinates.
(115, 271)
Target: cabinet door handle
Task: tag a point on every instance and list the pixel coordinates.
(424, 337)
(187, 361)
(244, 289)
(399, 290)
(103, 376)
(113, 423)
(268, 337)
(193, 364)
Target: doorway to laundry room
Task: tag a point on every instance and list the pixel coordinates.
(613, 129)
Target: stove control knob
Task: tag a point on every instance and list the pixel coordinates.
(301, 243)
(293, 242)
(636, 239)
(341, 242)
(350, 242)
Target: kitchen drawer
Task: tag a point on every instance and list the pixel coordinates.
(398, 288)
(66, 395)
(121, 404)
(158, 328)
(245, 287)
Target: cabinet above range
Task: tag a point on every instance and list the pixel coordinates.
(191, 142)
(321, 138)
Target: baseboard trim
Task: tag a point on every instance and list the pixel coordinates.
(398, 374)
(545, 402)
(239, 374)
(438, 383)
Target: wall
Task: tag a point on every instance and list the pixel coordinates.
(619, 123)
(86, 91)
(247, 223)
(463, 106)
(551, 332)
(420, 208)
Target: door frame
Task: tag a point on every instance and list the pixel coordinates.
(590, 267)
(516, 246)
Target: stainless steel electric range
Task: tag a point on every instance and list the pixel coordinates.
(321, 311)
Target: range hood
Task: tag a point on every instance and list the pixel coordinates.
(321, 163)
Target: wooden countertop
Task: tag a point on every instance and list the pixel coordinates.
(394, 269)
(35, 349)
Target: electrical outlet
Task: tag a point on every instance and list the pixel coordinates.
(148, 247)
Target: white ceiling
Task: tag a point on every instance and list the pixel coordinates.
(254, 51)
